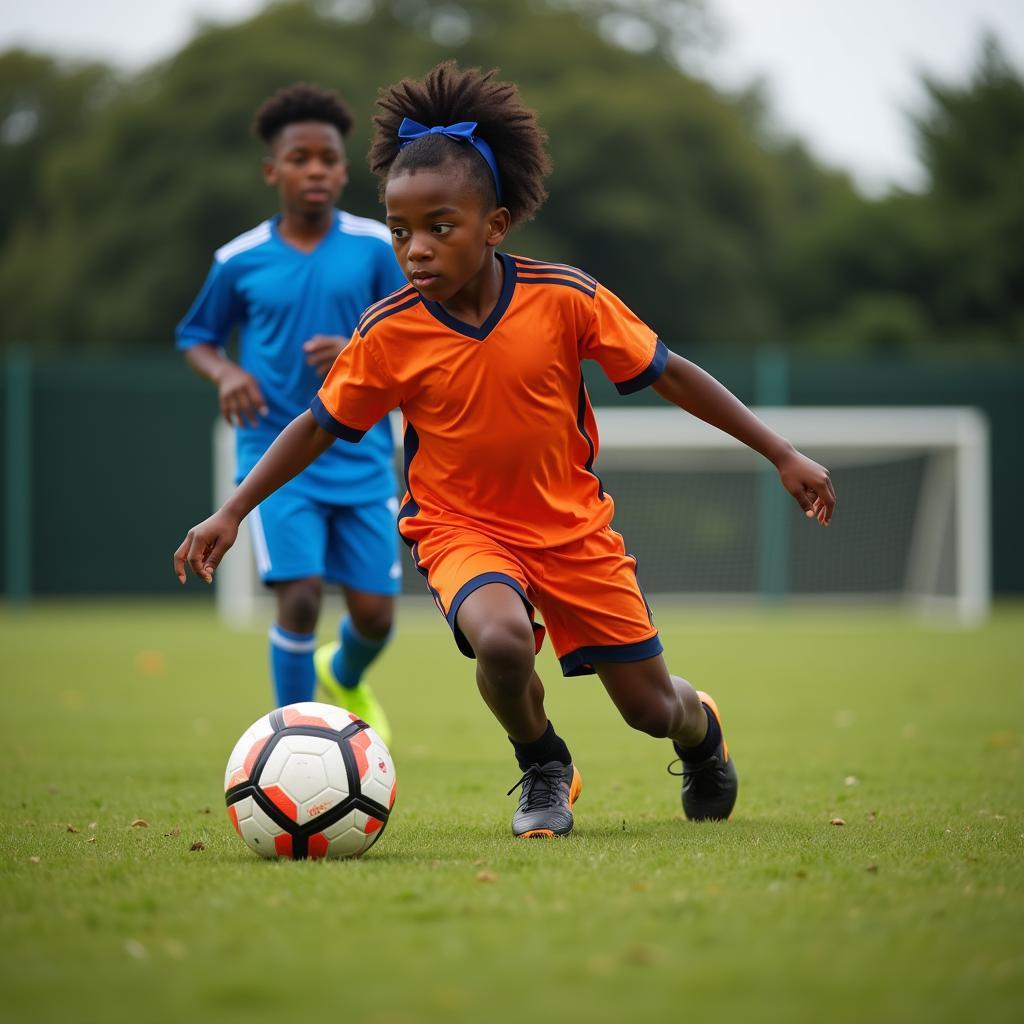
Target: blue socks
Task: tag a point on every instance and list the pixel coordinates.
(291, 665)
(355, 655)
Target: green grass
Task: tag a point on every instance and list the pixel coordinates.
(911, 911)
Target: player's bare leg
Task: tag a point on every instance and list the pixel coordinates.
(494, 621)
(340, 664)
(372, 614)
(662, 705)
(498, 628)
(292, 638)
(298, 603)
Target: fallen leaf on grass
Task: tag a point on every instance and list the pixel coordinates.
(92, 826)
(91, 839)
(197, 845)
(71, 828)
(872, 869)
(33, 860)
(486, 876)
(838, 821)
(150, 663)
(173, 833)
(852, 780)
(872, 817)
(139, 823)
(641, 955)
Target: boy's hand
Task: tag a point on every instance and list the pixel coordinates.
(810, 484)
(241, 400)
(322, 349)
(205, 545)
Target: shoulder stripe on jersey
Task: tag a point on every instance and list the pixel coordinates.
(248, 240)
(591, 292)
(399, 293)
(365, 328)
(378, 307)
(349, 224)
(528, 266)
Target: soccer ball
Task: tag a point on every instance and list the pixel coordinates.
(309, 780)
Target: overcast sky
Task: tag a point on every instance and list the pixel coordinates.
(841, 74)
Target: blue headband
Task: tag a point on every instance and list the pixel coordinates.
(464, 131)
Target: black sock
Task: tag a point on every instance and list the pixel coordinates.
(707, 746)
(549, 747)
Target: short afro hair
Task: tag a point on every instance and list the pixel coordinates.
(301, 102)
(447, 95)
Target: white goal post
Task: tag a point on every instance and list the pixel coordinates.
(708, 519)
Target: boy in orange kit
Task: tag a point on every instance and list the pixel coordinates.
(503, 511)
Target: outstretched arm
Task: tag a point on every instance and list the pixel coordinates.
(296, 447)
(685, 384)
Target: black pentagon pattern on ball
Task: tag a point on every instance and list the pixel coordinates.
(355, 801)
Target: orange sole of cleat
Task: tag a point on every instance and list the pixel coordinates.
(537, 833)
(709, 701)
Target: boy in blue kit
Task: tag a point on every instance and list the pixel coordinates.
(294, 287)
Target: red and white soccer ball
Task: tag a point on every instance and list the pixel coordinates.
(309, 780)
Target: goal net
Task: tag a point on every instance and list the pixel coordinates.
(707, 519)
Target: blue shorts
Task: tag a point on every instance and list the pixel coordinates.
(295, 537)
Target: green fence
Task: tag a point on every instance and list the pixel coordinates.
(106, 461)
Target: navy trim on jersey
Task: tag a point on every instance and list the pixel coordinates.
(589, 292)
(525, 264)
(364, 331)
(410, 446)
(581, 661)
(331, 425)
(655, 368)
(439, 313)
(475, 584)
(415, 549)
(402, 293)
(581, 424)
(552, 273)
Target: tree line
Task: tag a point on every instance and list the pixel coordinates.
(718, 230)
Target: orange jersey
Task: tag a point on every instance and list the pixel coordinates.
(500, 435)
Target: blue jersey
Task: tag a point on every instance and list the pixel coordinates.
(278, 298)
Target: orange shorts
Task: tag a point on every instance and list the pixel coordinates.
(586, 591)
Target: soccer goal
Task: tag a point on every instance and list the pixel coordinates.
(707, 519)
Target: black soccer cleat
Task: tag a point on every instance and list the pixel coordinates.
(545, 803)
(709, 786)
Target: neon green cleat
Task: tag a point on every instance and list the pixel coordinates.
(357, 699)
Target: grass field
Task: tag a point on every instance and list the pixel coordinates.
(913, 910)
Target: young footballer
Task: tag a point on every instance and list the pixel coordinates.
(294, 287)
(503, 511)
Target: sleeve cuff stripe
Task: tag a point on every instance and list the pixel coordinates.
(655, 368)
(331, 425)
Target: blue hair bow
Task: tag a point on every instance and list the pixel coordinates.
(464, 131)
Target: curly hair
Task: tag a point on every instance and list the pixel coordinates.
(300, 102)
(447, 95)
